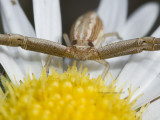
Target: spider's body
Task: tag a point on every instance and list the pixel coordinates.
(87, 30)
(86, 38)
(84, 34)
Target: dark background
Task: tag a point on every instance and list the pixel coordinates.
(71, 9)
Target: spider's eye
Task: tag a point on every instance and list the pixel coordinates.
(74, 42)
(90, 44)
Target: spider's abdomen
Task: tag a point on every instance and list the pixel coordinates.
(86, 30)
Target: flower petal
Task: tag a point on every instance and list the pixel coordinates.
(15, 21)
(156, 32)
(13, 71)
(140, 71)
(94, 68)
(150, 90)
(113, 14)
(137, 71)
(116, 65)
(136, 25)
(48, 23)
(47, 19)
(152, 112)
(141, 21)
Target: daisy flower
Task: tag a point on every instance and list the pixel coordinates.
(133, 70)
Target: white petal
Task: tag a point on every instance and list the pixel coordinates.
(15, 21)
(13, 71)
(113, 14)
(151, 91)
(117, 64)
(47, 19)
(156, 32)
(141, 21)
(141, 71)
(48, 23)
(152, 112)
(151, 88)
(94, 68)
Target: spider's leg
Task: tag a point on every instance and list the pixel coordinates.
(129, 47)
(113, 34)
(35, 44)
(125, 52)
(66, 39)
(102, 39)
(47, 63)
(104, 62)
(49, 58)
(68, 43)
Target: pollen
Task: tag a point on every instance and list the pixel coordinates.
(71, 95)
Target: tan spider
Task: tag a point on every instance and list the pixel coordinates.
(86, 38)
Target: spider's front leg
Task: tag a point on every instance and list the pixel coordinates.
(50, 57)
(35, 44)
(129, 47)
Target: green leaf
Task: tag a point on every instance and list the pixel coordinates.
(4, 80)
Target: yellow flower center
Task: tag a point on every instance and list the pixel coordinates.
(68, 96)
